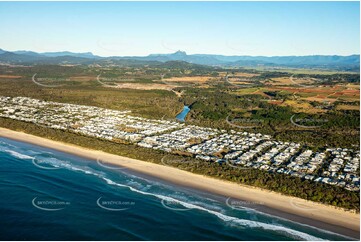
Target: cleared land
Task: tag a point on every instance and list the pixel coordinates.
(10, 77)
(146, 86)
(347, 107)
(193, 79)
(286, 81)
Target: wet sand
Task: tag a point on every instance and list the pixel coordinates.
(299, 210)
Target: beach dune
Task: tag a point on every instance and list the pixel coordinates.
(299, 210)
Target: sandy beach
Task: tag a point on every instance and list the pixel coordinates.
(318, 215)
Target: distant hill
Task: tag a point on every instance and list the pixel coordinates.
(55, 54)
(324, 61)
(67, 53)
(25, 52)
(351, 62)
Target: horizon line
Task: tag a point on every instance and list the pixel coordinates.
(168, 53)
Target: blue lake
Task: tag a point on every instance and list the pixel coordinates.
(182, 115)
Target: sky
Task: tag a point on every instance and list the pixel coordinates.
(142, 28)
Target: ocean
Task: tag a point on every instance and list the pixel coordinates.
(51, 195)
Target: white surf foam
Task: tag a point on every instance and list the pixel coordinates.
(226, 218)
(7, 145)
(18, 155)
(242, 222)
(254, 211)
(68, 165)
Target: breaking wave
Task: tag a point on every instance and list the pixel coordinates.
(17, 154)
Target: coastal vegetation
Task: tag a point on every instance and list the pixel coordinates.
(333, 98)
(314, 108)
(292, 186)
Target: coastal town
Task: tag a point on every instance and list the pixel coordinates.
(239, 149)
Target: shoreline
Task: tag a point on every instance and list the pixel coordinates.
(321, 216)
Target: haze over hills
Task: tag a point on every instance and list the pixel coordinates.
(348, 63)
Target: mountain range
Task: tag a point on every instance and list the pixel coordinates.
(351, 62)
